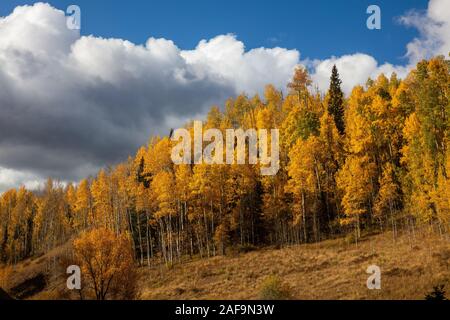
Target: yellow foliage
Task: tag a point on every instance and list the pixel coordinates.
(355, 180)
(107, 266)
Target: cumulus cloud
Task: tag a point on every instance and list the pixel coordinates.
(72, 104)
(434, 28)
(248, 71)
(353, 69)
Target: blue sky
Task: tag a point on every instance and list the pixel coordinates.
(318, 29)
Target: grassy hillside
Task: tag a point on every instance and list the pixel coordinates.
(328, 270)
(411, 265)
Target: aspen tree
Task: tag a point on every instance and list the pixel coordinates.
(354, 180)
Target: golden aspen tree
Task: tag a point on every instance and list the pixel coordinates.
(139, 181)
(20, 233)
(355, 181)
(158, 157)
(359, 139)
(183, 176)
(305, 184)
(162, 186)
(388, 198)
(106, 263)
(143, 205)
(121, 196)
(84, 214)
(7, 203)
(300, 82)
(51, 224)
(273, 104)
(201, 191)
(101, 195)
(70, 199)
(442, 197)
(270, 189)
(246, 210)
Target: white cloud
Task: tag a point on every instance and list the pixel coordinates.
(434, 28)
(353, 70)
(226, 58)
(12, 179)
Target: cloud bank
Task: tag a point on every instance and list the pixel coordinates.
(70, 104)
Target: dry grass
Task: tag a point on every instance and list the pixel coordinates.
(49, 266)
(333, 269)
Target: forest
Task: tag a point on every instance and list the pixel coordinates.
(375, 160)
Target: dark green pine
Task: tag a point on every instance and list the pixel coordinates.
(336, 100)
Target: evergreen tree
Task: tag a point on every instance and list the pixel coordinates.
(336, 100)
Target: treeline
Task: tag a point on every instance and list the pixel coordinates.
(378, 159)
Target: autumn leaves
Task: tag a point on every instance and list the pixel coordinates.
(236, 142)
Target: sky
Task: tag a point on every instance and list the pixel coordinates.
(319, 28)
(74, 101)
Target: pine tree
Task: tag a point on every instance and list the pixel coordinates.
(336, 100)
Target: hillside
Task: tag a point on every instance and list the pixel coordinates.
(411, 266)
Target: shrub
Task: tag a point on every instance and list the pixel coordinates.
(274, 289)
(438, 294)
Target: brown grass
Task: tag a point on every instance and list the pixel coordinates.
(50, 266)
(333, 269)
